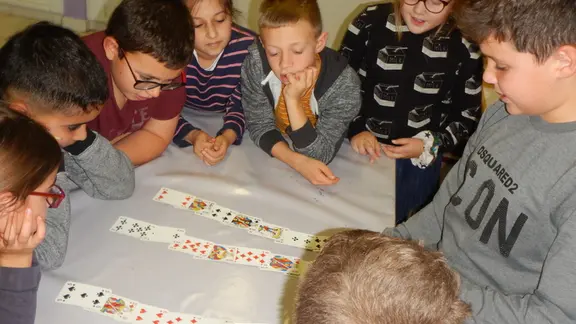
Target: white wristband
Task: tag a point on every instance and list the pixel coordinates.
(429, 153)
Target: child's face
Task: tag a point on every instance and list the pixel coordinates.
(37, 204)
(212, 27)
(134, 67)
(291, 48)
(419, 19)
(526, 86)
(66, 129)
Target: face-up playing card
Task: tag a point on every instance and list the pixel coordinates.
(201, 206)
(297, 239)
(318, 242)
(241, 221)
(87, 296)
(132, 227)
(251, 257)
(281, 263)
(119, 308)
(180, 318)
(163, 234)
(218, 213)
(147, 314)
(193, 246)
(175, 198)
(268, 230)
(220, 252)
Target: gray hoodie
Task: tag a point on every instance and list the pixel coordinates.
(337, 92)
(505, 218)
(97, 168)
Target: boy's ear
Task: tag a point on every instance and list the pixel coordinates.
(20, 107)
(321, 42)
(565, 58)
(111, 47)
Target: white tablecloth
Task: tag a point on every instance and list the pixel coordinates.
(248, 181)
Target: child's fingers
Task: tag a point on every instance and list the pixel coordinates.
(27, 229)
(40, 230)
(10, 230)
(389, 153)
(327, 172)
(402, 141)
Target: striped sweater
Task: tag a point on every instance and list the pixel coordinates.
(218, 90)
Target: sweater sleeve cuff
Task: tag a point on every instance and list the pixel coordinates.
(304, 136)
(269, 139)
(181, 133)
(236, 128)
(81, 146)
(20, 279)
(357, 126)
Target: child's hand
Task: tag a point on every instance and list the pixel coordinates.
(365, 143)
(409, 148)
(201, 142)
(316, 172)
(220, 146)
(299, 83)
(22, 234)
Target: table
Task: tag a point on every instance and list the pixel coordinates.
(248, 181)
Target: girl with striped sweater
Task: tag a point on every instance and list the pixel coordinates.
(213, 78)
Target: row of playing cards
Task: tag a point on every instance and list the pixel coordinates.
(265, 260)
(122, 309)
(227, 216)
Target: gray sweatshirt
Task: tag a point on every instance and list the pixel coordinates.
(99, 169)
(18, 289)
(505, 218)
(337, 93)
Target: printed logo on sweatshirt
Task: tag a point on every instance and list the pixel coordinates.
(436, 47)
(472, 113)
(386, 94)
(392, 57)
(420, 116)
(428, 82)
(356, 26)
(391, 24)
(379, 128)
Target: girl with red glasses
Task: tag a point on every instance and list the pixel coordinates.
(29, 160)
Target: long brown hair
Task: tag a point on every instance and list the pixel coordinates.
(228, 6)
(28, 154)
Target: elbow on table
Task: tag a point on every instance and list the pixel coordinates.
(52, 261)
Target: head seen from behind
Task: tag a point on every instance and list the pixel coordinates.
(422, 16)
(49, 73)
(291, 33)
(149, 43)
(362, 277)
(530, 47)
(212, 27)
(29, 159)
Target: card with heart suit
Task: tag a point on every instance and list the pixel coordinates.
(119, 308)
(147, 314)
(174, 198)
(90, 297)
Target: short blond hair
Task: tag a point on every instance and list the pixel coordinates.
(279, 13)
(363, 277)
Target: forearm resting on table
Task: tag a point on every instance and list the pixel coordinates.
(282, 152)
(142, 146)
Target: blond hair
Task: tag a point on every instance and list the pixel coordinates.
(279, 13)
(363, 277)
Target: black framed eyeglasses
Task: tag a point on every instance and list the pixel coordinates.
(434, 6)
(54, 196)
(149, 85)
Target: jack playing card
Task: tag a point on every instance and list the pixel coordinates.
(241, 221)
(268, 230)
(201, 207)
(90, 297)
(281, 263)
(221, 252)
(119, 308)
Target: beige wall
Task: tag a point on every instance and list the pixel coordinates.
(336, 15)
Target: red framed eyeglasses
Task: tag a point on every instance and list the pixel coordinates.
(54, 196)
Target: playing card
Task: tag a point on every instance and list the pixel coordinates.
(180, 318)
(201, 206)
(218, 213)
(147, 314)
(175, 198)
(297, 239)
(163, 234)
(220, 252)
(318, 242)
(281, 263)
(241, 221)
(193, 246)
(267, 230)
(132, 227)
(119, 308)
(87, 296)
(251, 257)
